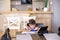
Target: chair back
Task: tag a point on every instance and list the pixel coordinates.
(59, 29)
(43, 28)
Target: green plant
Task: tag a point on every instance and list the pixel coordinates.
(45, 3)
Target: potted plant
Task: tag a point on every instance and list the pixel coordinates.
(45, 5)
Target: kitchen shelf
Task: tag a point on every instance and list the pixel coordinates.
(36, 12)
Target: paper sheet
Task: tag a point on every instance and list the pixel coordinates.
(28, 32)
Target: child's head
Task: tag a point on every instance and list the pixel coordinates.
(32, 23)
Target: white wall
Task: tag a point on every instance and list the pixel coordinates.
(56, 15)
(6, 5)
(1, 22)
(0, 5)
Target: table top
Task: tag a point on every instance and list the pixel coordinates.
(52, 36)
(29, 37)
(37, 37)
(23, 37)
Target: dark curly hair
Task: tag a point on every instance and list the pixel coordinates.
(32, 21)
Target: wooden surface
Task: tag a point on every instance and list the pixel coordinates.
(34, 37)
(41, 16)
(37, 37)
(45, 19)
(9, 8)
(13, 33)
(1, 33)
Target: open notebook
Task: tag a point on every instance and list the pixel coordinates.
(31, 32)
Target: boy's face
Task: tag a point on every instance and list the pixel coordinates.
(32, 25)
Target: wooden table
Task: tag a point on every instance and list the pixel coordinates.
(52, 36)
(37, 37)
(34, 37)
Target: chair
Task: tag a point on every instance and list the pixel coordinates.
(43, 30)
(59, 31)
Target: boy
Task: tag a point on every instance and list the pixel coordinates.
(31, 26)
